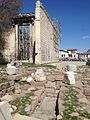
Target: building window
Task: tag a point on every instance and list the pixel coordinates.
(70, 55)
(86, 55)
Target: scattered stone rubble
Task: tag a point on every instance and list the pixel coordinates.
(49, 87)
(6, 87)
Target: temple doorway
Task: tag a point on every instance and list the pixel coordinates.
(24, 41)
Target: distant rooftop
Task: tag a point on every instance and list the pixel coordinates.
(64, 51)
(71, 49)
(84, 53)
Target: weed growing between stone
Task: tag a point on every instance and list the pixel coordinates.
(71, 104)
(22, 103)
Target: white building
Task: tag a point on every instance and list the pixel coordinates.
(69, 54)
(63, 54)
(84, 56)
(72, 53)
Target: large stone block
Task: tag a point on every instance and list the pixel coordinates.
(11, 70)
(51, 78)
(39, 75)
(50, 85)
(72, 68)
(50, 91)
(5, 111)
(7, 98)
(86, 91)
(3, 86)
(70, 77)
(12, 83)
(40, 84)
(59, 77)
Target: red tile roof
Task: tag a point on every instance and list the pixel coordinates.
(71, 49)
(84, 53)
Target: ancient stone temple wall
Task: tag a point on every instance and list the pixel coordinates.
(19, 40)
(42, 33)
(10, 45)
(46, 36)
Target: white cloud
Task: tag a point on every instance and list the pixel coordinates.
(86, 37)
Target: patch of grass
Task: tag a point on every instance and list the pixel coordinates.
(21, 103)
(71, 103)
(28, 64)
(31, 93)
(3, 66)
(49, 66)
(84, 114)
(75, 118)
(3, 81)
(34, 65)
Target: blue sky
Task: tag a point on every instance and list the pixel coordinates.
(74, 17)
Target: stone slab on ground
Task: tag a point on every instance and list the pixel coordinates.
(7, 98)
(16, 77)
(5, 113)
(46, 110)
(11, 70)
(50, 78)
(87, 91)
(22, 117)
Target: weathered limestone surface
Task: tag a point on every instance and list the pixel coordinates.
(84, 76)
(5, 111)
(48, 101)
(46, 110)
(22, 117)
(86, 91)
(11, 70)
(42, 33)
(46, 36)
(10, 46)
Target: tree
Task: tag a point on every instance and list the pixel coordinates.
(8, 8)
